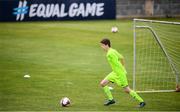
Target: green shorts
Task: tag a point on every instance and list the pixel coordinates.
(119, 80)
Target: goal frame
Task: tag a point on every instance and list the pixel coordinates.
(155, 36)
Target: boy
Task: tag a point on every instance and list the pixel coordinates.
(118, 75)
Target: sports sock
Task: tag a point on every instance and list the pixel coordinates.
(108, 92)
(136, 96)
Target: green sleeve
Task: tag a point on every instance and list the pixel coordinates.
(119, 55)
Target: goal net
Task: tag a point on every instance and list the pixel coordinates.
(156, 56)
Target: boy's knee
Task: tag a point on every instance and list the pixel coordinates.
(102, 84)
(127, 89)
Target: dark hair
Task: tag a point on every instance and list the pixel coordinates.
(106, 42)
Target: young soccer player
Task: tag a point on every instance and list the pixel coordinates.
(118, 74)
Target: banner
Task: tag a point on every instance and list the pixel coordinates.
(42, 10)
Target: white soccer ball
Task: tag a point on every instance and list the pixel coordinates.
(114, 29)
(65, 102)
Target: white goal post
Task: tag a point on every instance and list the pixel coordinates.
(156, 56)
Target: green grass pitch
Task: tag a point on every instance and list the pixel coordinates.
(65, 59)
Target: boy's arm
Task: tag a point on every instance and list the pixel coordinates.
(122, 61)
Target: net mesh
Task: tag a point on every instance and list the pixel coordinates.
(153, 70)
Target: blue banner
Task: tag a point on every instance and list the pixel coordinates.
(43, 10)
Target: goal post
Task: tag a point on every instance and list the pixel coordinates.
(156, 56)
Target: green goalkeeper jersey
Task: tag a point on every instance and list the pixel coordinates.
(114, 58)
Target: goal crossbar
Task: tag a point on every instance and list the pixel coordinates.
(155, 21)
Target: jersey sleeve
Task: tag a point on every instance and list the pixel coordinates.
(119, 55)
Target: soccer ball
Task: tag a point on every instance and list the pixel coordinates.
(114, 29)
(65, 102)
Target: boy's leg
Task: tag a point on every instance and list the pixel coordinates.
(122, 81)
(106, 89)
(135, 96)
(104, 83)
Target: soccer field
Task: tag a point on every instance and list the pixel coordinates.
(65, 59)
